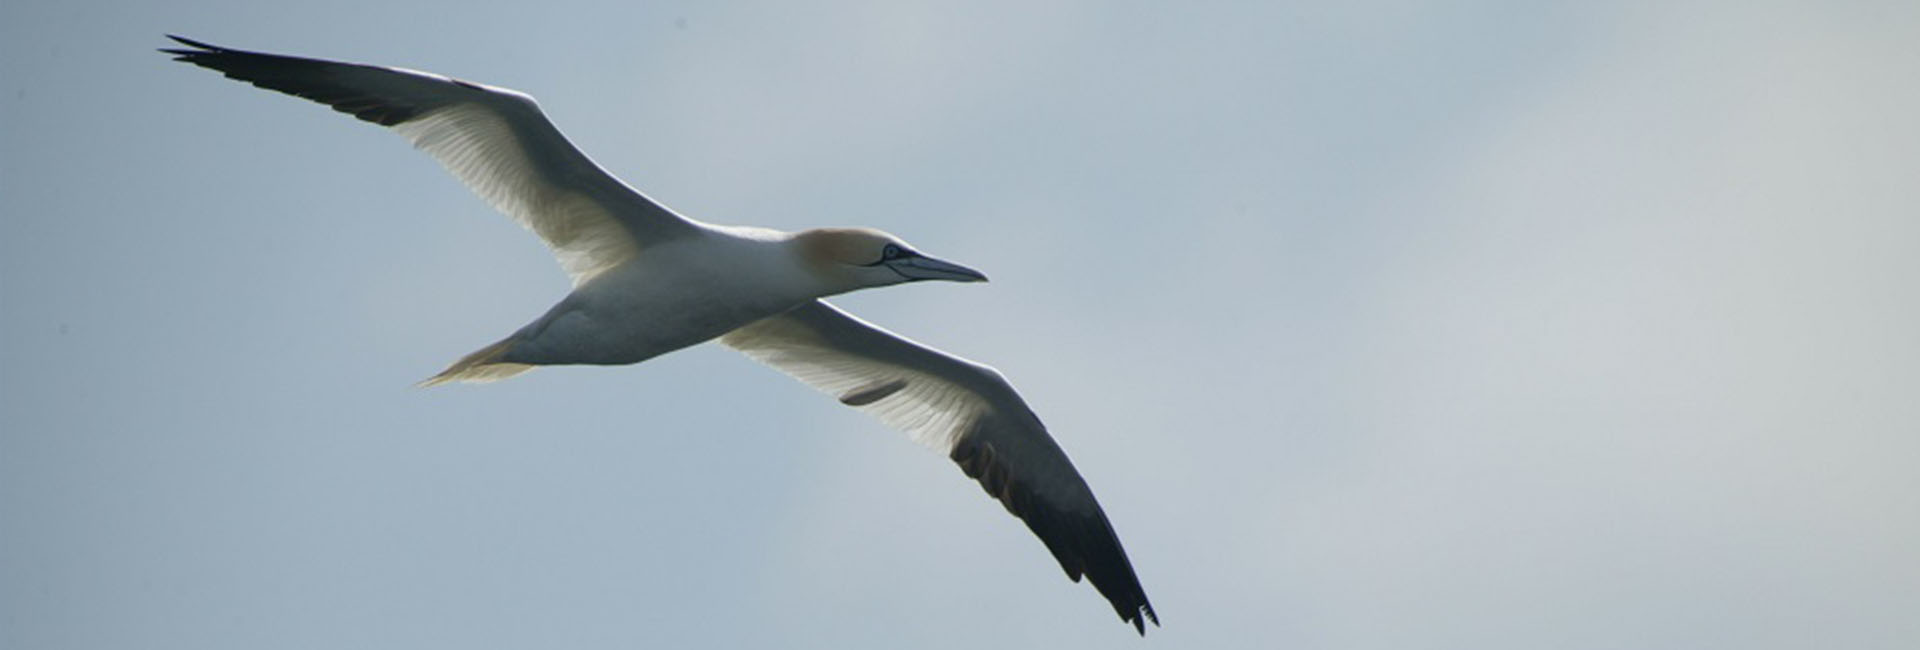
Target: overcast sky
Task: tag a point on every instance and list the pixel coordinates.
(1373, 325)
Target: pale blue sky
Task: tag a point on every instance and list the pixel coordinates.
(1374, 325)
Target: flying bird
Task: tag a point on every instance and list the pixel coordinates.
(648, 281)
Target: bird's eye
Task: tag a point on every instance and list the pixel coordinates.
(890, 252)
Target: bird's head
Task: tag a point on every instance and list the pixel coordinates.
(858, 258)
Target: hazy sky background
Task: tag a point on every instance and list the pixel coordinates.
(1373, 325)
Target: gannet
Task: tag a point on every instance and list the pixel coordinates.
(647, 281)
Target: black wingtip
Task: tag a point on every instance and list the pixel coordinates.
(1080, 538)
(187, 55)
(1141, 617)
(312, 79)
(193, 43)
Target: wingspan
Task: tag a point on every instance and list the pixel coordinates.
(967, 411)
(495, 140)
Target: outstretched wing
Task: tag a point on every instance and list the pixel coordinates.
(493, 139)
(967, 411)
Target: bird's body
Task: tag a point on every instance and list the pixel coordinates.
(647, 281)
(680, 293)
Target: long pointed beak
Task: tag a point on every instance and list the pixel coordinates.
(921, 267)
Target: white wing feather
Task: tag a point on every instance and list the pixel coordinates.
(496, 141)
(932, 409)
(480, 148)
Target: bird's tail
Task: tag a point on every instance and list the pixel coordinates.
(482, 366)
